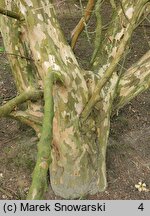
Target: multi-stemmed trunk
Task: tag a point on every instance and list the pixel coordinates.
(73, 122)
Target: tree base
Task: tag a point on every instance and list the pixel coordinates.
(75, 187)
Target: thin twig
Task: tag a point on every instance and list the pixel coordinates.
(6, 193)
(11, 14)
(82, 23)
(10, 140)
(20, 56)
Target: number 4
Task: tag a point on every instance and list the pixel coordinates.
(141, 207)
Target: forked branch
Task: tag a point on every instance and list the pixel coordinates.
(117, 55)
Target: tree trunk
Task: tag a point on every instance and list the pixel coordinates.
(83, 100)
(79, 148)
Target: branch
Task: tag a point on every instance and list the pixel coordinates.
(145, 12)
(108, 73)
(39, 179)
(113, 4)
(116, 56)
(61, 57)
(22, 66)
(80, 26)
(23, 57)
(122, 18)
(30, 94)
(11, 14)
(98, 34)
(133, 82)
(29, 119)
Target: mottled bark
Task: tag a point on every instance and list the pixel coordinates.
(124, 20)
(20, 59)
(133, 82)
(83, 100)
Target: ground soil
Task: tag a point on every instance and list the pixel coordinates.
(128, 154)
